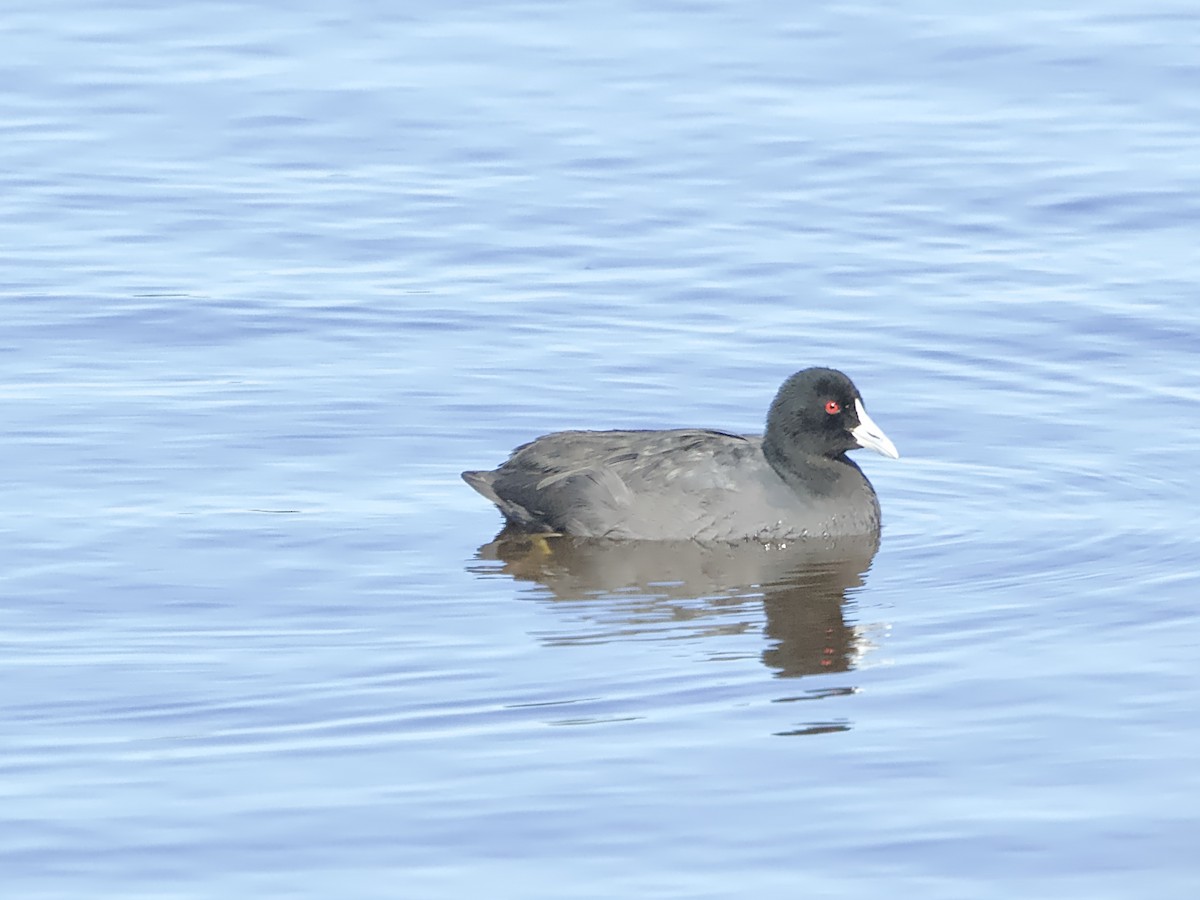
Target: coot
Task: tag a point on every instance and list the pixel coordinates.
(793, 482)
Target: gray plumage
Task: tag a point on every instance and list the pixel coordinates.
(795, 481)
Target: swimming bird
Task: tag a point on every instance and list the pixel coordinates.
(792, 482)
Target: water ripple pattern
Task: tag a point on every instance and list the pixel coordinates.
(272, 276)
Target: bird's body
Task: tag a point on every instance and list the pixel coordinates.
(793, 482)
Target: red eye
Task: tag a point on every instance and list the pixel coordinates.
(833, 407)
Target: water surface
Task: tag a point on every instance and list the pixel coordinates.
(271, 278)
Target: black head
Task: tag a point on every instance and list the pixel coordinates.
(820, 412)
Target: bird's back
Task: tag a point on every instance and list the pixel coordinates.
(666, 485)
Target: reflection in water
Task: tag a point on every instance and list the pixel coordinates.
(802, 588)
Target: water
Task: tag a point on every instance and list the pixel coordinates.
(271, 278)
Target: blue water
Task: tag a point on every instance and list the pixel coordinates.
(271, 277)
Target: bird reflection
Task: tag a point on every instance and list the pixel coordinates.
(802, 587)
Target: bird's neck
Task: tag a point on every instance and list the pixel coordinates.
(821, 474)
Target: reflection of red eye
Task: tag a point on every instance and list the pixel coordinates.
(833, 407)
